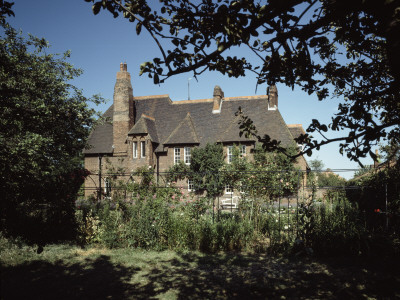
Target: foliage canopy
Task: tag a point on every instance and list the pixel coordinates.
(346, 49)
(44, 124)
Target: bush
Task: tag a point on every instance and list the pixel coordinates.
(332, 229)
(166, 218)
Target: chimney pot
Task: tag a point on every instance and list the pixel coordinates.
(123, 67)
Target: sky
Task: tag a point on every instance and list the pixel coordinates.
(100, 43)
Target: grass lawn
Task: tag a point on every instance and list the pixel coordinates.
(68, 272)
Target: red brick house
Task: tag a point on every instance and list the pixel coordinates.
(155, 131)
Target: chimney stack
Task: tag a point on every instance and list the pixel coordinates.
(123, 111)
(217, 97)
(272, 93)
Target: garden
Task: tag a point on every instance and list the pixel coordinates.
(162, 242)
(145, 235)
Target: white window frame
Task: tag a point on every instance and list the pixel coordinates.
(187, 155)
(107, 186)
(228, 189)
(190, 185)
(143, 149)
(230, 154)
(177, 155)
(134, 150)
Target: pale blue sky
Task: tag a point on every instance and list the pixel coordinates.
(99, 43)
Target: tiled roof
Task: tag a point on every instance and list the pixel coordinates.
(101, 138)
(145, 125)
(231, 133)
(192, 121)
(184, 133)
(296, 130)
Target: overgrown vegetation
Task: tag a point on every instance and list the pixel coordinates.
(143, 214)
(44, 124)
(378, 197)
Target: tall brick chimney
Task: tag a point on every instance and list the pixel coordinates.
(123, 110)
(272, 93)
(217, 97)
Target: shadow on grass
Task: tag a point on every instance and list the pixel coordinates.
(197, 276)
(259, 277)
(92, 279)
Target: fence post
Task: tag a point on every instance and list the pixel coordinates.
(99, 193)
(279, 207)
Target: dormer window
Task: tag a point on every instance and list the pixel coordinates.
(142, 149)
(134, 150)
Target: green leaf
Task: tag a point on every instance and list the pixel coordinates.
(96, 7)
(156, 79)
(138, 28)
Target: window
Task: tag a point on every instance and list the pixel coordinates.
(177, 155)
(134, 149)
(242, 150)
(190, 185)
(107, 187)
(143, 149)
(228, 189)
(230, 154)
(187, 155)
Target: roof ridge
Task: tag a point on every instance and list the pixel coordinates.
(188, 115)
(254, 97)
(147, 117)
(151, 97)
(192, 101)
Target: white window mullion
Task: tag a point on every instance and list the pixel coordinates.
(230, 154)
(134, 150)
(188, 155)
(142, 149)
(177, 155)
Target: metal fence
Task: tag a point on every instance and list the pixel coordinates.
(378, 209)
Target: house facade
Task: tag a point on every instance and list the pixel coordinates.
(155, 132)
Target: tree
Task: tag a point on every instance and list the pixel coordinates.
(323, 178)
(346, 49)
(390, 152)
(206, 162)
(316, 165)
(44, 125)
